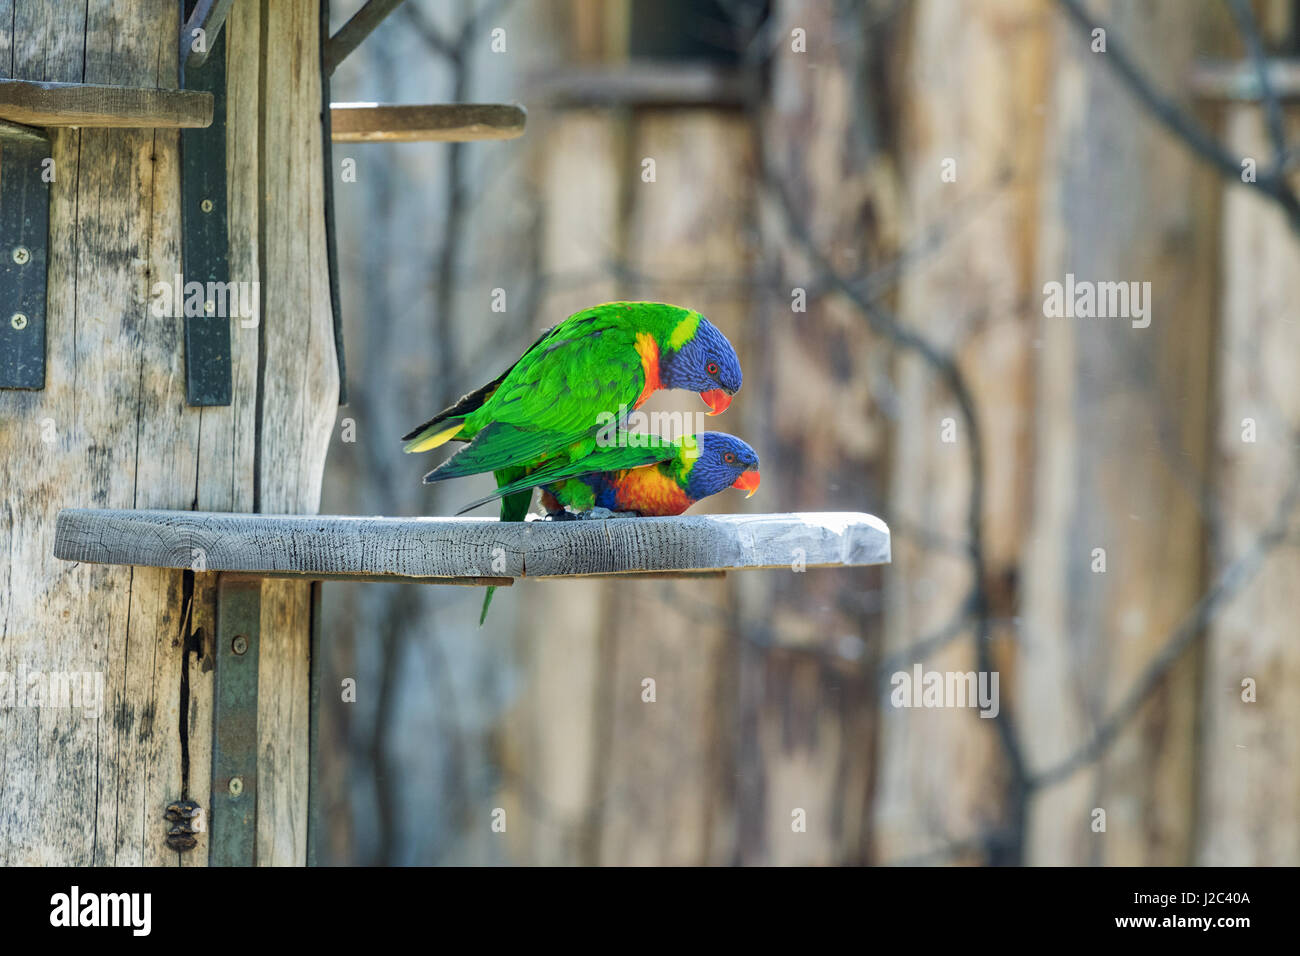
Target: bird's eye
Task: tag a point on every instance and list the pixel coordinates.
(712, 368)
(729, 458)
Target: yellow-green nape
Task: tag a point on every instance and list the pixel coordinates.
(691, 448)
(684, 331)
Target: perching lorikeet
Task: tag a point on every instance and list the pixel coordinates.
(603, 361)
(647, 476)
(552, 403)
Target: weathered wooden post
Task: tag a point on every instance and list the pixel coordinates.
(112, 426)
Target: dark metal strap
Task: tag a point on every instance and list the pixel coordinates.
(205, 240)
(24, 244)
(233, 817)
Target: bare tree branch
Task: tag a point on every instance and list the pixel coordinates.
(1249, 29)
(1229, 583)
(884, 323)
(1271, 183)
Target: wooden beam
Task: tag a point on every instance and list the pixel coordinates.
(350, 35)
(17, 133)
(643, 83)
(1238, 80)
(85, 104)
(427, 549)
(440, 123)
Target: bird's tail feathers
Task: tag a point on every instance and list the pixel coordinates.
(487, 603)
(431, 437)
(513, 508)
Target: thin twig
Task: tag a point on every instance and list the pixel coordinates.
(1233, 578)
(884, 323)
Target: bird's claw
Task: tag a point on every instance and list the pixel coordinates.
(591, 514)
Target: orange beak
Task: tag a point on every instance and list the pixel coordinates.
(717, 400)
(748, 481)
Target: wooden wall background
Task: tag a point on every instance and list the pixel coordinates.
(773, 689)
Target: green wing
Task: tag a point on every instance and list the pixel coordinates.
(649, 450)
(554, 396)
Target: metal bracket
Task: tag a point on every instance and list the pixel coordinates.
(205, 239)
(207, 16)
(24, 254)
(233, 814)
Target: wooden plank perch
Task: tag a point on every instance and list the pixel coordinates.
(466, 550)
(440, 123)
(85, 104)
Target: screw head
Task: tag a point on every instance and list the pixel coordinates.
(206, 205)
(240, 644)
(22, 255)
(18, 321)
(236, 786)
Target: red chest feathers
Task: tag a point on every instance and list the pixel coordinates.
(650, 491)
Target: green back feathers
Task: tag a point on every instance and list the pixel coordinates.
(670, 326)
(563, 388)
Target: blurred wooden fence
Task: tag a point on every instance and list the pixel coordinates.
(772, 692)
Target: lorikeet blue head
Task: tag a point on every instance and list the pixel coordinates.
(702, 360)
(724, 461)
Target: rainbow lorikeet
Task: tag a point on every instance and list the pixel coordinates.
(554, 402)
(559, 398)
(601, 361)
(645, 476)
